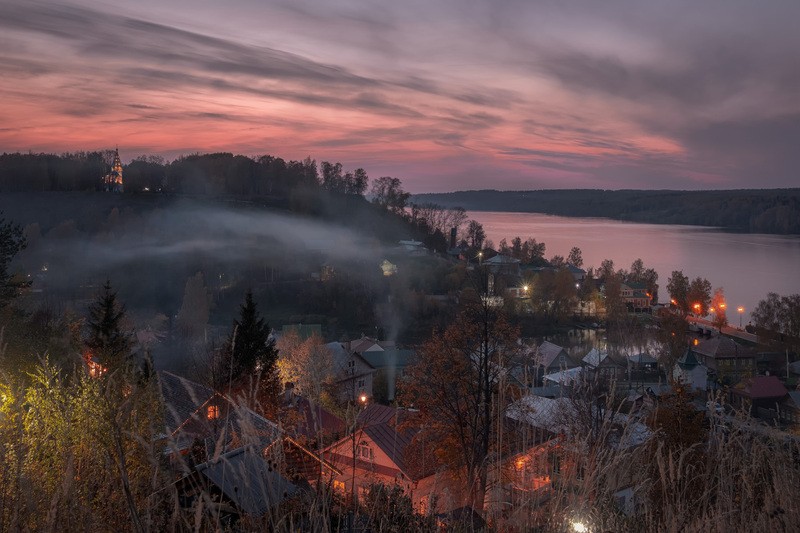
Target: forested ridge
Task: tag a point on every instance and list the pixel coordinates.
(774, 211)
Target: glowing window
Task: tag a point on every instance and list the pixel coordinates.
(212, 412)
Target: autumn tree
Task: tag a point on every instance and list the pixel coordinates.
(307, 364)
(719, 306)
(677, 457)
(457, 385)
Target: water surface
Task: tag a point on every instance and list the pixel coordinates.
(747, 266)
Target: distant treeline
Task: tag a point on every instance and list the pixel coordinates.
(774, 211)
(218, 173)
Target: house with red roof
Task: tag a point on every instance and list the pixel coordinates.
(380, 451)
(758, 393)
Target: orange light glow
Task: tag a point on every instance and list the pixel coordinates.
(740, 309)
(212, 412)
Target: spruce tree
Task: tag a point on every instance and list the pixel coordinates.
(107, 341)
(251, 347)
(11, 242)
(250, 350)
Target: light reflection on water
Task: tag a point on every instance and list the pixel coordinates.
(747, 266)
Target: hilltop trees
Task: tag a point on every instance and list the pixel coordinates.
(388, 193)
(334, 180)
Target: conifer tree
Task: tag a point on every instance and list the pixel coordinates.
(252, 349)
(11, 242)
(249, 351)
(107, 340)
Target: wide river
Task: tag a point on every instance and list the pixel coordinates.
(747, 266)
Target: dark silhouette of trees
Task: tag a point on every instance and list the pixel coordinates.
(11, 243)
(388, 193)
(678, 289)
(250, 346)
(475, 235)
(333, 180)
(778, 318)
(107, 340)
(575, 257)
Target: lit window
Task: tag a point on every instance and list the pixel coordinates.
(338, 486)
(212, 412)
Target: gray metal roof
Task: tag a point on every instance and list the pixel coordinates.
(251, 482)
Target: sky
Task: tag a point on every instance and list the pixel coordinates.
(443, 94)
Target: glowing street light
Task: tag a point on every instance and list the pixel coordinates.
(741, 312)
(580, 527)
(363, 398)
(696, 308)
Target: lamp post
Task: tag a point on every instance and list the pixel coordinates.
(696, 309)
(741, 312)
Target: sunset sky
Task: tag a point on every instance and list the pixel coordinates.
(446, 95)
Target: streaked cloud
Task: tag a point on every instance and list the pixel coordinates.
(444, 95)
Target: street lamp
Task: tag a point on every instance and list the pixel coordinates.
(696, 309)
(480, 258)
(741, 311)
(580, 527)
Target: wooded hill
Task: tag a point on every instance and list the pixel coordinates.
(774, 211)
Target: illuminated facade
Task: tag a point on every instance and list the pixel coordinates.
(112, 182)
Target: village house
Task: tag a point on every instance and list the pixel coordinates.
(690, 371)
(635, 296)
(548, 358)
(219, 447)
(600, 364)
(389, 364)
(379, 451)
(761, 396)
(727, 361)
(353, 375)
(540, 458)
